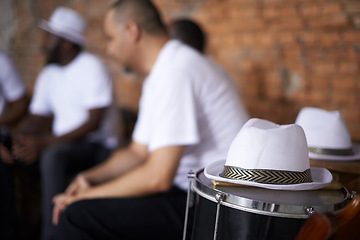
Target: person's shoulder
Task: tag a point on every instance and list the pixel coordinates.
(49, 70)
(182, 56)
(3, 56)
(90, 57)
(5, 60)
(90, 61)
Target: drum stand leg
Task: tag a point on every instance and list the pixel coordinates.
(219, 198)
(191, 176)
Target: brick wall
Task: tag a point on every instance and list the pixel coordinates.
(283, 54)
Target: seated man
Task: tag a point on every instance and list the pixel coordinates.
(189, 113)
(74, 90)
(13, 106)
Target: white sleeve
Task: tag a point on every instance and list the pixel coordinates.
(13, 87)
(97, 87)
(40, 102)
(171, 117)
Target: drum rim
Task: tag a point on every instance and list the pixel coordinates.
(265, 208)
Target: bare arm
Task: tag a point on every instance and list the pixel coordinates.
(14, 112)
(155, 175)
(30, 142)
(121, 161)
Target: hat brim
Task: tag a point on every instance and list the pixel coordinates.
(356, 156)
(321, 177)
(75, 38)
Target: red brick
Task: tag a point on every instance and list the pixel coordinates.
(285, 38)
(325, 68)
(310, 10)
(329, 39)
(351, 36)
(254, 24)
(352, 7)
(347, 99)
(344, 84)
(318, 97)
(331, 8)
(349, 67)
(286, 24)
(318, 82)
(333, 22)
(270, 12)
(309, 37)
(342, 53)
(351, 114)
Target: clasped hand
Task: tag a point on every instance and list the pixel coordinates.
(76, 191)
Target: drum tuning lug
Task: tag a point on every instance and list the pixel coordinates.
(191, 174)
(353, 194)
(220, 196)
(309, 210)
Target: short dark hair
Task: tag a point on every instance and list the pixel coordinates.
(189, 32)
(143, 12)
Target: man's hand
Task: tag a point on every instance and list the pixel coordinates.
(5, 155)
(80, 184)
(61, 201)
(28, 148)
(73, 193)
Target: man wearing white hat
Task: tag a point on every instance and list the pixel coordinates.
(75, 89)
(189, 112)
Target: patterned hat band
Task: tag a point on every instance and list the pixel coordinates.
(280, 177)
(335, 152)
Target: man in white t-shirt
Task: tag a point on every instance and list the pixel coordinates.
(74, 90)
(13, 106)
(189, 113)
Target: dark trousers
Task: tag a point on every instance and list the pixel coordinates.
(159, 216)
(7, 200)
(7, 203)
(57, 164)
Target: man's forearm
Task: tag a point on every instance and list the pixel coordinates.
(15, 111)
(121, 161)
(155, 175)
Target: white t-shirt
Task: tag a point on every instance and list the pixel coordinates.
(69, 92)
(11, 85)
(190, 100)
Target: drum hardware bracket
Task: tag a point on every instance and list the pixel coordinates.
(220, 197)
(309, 210)
(189, 201)
(190, 198)
(352, 195)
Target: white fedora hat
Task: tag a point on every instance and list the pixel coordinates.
(327, 135)
(268, 155)
(66, 23)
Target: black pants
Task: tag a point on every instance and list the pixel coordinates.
(7, 204)
(158, 217)
(7, 201)
(57, 163)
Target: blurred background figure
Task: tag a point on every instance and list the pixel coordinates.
(74, 91)
(13, 106)
(188, 32)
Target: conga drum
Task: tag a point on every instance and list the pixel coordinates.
(242, 212)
